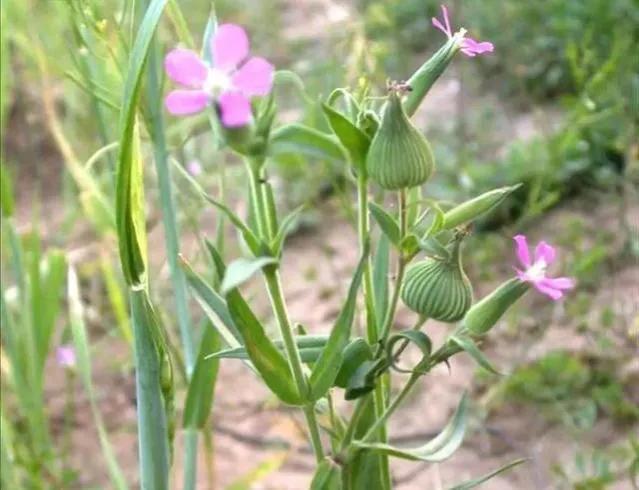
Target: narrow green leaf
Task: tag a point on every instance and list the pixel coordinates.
(417, 337)
(467, 344)
(199, 397)
(386, 222)
(328, 365)
(241, 270)
(267, 359)
(6, 192)
(309, 342)
(48, 299)
(129, 186)
(356, 353)
(438, 449)
(298, 139)
(83, 360)
(213, 305)
(285, 228)
(381, 270)
(328, 476)
(354, 140)
(478, 481)
(152, 422)
(254, 244)
(308, 355)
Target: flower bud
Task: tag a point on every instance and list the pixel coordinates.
(469, 210)
(439, 289)
(399, 155)
(485, 314)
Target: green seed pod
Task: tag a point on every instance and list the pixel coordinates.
(439, 289)
(399, 155)
(484, 314)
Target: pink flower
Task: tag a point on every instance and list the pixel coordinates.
(65, 356)
(535, 272)
(230, 82)
(469, 46)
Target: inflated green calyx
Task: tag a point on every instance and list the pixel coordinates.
(439, 289)
(399, 155)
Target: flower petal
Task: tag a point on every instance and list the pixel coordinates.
(229, 46)
(439, 25)
(235, 109)
(552, 293)
(544, 252)
(255, 77)
(470, 47)
(186, 68)
(559, 282)
(522, 250)
(183, 102)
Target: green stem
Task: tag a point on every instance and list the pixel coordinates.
(190, 458)
(401, 267)
(379, 399)
(381, 421)
(276, 295)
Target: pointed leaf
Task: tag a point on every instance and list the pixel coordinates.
(285, 228)
(438, 449)
(386, 222)
(129, 185)
(328, 365)
(241, 270)
(199, 397)
(297, 139)
(467, 344)
(381, 270)
(254, 244)
(355, 354)
(354, 140)
(213, 305)
(267, 359)
(328, 476)
(478, 481)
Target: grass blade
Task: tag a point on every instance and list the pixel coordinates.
(152, 424)
(81, 344)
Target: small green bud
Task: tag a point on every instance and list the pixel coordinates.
(439, 289)
(166, 373)
(399, 155)
(469, 210)
(485, 314)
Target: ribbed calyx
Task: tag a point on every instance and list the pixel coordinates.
(399, 155)
(439, 289)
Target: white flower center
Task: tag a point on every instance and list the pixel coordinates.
(537, 271)
(217, 82)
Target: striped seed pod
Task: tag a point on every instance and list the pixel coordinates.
(439, 289)
(399, 155)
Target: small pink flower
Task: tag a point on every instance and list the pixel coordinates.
(535, 271)
(65, 356)
(469, 46)
(230, 82)
(194, 168)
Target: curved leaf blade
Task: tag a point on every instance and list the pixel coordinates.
(437, 449)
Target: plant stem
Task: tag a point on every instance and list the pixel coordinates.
(363, 231)
(381, 421)
(401, 267)
(276, 295)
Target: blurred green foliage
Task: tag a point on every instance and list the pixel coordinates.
(572, 389)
